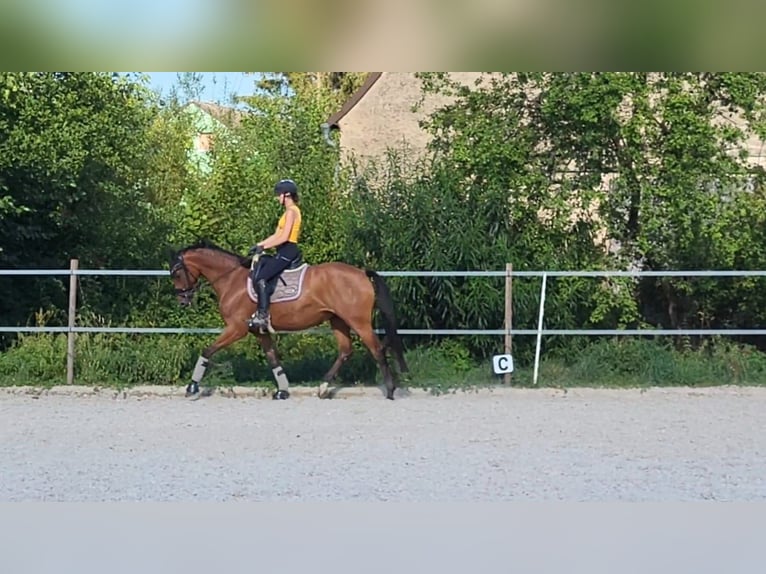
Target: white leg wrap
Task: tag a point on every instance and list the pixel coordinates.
(280, 377)
(199, 369)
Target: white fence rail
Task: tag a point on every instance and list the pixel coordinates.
(507, 331)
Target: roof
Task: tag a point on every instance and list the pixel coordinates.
(229, 117)
(349, 104)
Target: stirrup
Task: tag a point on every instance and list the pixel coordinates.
(260, 322)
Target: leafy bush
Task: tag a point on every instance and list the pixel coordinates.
(647, 362)
(38, 359)
(127, 360)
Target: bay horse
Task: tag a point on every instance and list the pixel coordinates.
(337, 292)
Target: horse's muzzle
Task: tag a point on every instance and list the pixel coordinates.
(185, 297)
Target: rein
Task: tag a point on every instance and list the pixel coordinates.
(194, 286)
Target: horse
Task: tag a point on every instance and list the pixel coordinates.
(337, 292)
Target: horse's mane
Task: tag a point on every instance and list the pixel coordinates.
(206, 244)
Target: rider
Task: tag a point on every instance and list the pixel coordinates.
(285, 239)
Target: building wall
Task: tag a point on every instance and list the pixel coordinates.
(384, 117)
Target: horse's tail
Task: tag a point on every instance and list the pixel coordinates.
(385, 305)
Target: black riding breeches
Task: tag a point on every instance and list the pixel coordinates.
(286, 254)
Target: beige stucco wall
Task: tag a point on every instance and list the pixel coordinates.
(384, 118)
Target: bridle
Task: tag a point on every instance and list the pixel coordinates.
(194, 284)
(187, 293)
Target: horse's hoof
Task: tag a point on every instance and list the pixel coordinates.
(322, 390)
(192, 389)
(280, 395)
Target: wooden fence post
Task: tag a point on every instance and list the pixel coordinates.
(508, 315)
(73, 265)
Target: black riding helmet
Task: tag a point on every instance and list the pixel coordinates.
(286, 186)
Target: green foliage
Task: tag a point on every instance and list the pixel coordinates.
(545, 171)
(124, 360)
(38, 359)
(109, 359)
(81, 176)
(73, 161)
(337, 85)
(642, 362)
(681, 193)
(280, 138)
(431, 217)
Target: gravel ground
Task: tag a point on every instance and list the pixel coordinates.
(505, 444)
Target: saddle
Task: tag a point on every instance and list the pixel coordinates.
(286, 286)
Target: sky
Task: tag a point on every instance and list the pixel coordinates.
(166, 21)
(215, 86)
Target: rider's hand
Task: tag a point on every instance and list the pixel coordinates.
(255, 250)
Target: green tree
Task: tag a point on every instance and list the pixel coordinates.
(682, 194)
(279, 137)
(75, 153)
(338, 85)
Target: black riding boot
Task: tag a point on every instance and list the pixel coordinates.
(261, 320)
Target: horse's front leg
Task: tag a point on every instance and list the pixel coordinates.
(267, 344)
(230, 334)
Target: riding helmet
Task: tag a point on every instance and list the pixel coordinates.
(286, 186)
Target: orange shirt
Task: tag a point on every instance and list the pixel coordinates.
(295, 232)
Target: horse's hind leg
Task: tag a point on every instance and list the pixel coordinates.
(368, 337)
(342, 333)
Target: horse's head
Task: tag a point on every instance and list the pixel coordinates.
(185, 279)
(202, 260)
